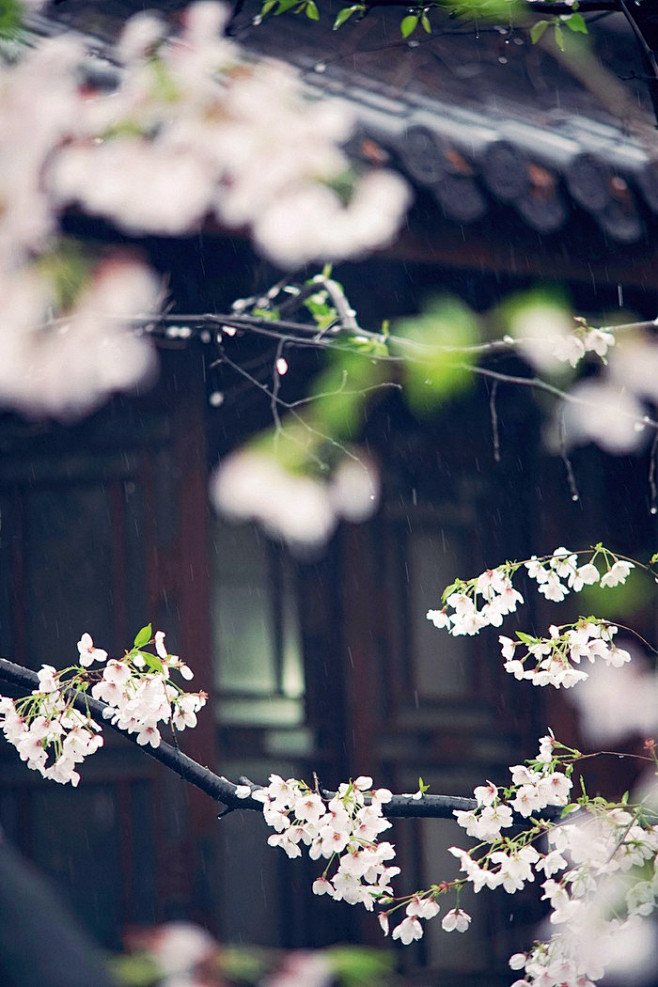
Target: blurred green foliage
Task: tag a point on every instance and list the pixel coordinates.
(429, 379)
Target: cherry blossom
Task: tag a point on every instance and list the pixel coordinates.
(88, 653)
(53, 737)
(456, 920)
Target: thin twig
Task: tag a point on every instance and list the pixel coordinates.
(542, 385)
(300, 418)
(571, 477)
(652, 475)
(494, 421)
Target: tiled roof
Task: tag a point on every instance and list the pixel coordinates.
(550, 171)
(477, 119)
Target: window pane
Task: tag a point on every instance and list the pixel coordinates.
(259, 670)
(441, 661)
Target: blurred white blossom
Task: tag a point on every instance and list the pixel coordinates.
(617, 702)
(544, 334)
(635, 367)
(192, 130)
(68, 366)
(303, 510)
(604, 413)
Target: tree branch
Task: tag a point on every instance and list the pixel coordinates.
(218, 788)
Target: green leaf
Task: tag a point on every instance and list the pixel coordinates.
(438, 369)
(284, 5)
(268, 6)
(10, 18)
(559, 37)
(576, 22)
(311, 11)
(272, 314)
(143, 637)
(537, 30)
(409, 24)
(69, 267)
(341, 390)
(167, 88)
(341, 17)
(425, 21)
(358, 966)
(152, 661)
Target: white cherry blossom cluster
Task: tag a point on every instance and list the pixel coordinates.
(64, 361)
(563, 565)
(49, 734)
(598, 871)
(140, 694)
(553, 658)
(479, 603)
(487, 599)
(607, 888)
(53, 737)
(344, 829)
(302, 508)
(511, 862)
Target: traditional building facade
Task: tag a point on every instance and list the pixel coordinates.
(327, 664)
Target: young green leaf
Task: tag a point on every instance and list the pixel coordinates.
(576, 22)
(342, 16)
(284, 5)
(152, 661)
(425, 21)
(311, 11)
(537, 30)
(143, 637)
(559, 37)
(409, 24)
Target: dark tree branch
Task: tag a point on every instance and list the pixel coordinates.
(218, 788)
(540, 6)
